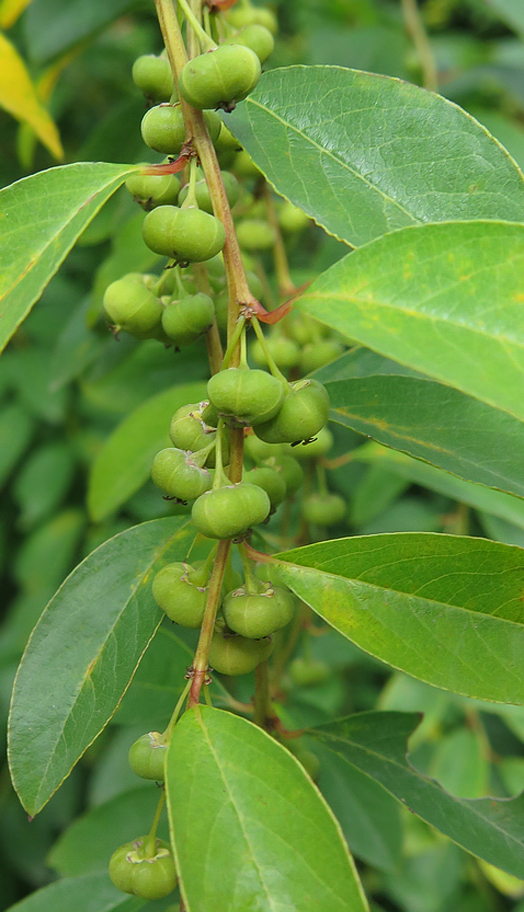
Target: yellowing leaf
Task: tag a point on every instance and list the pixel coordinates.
(18, 97)
(10, 10)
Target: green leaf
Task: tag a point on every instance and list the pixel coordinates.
(124, 462)
(511, 12)
(399, 412)
(446, 300)
(54, 26)
(379, 154)
(16, 428)
(240, 801)
(84, 651)
(93, 893)
(87, 845)
(376, 744)
(497, 503)
(446, 609)
(43, 482)
(41, 218)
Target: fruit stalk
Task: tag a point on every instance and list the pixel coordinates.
(200, 664)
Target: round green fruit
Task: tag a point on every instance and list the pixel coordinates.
(323, 509)
(203, 197)
(242, 16)
(185, 320)
(230, 511)
(244, 166)
(316, 354)
(183, 601)
(220, 78)
(146, 756)
(313, 448)
(163, 128)
(304, 411)
(255, 234)
(175, 472)
(285, 352)
(232, 654)
(291, 471)
(254, 616)
(131, 306)
(272, 482)
(134, 871)
(258, 450)
(308, 672)
(186, 235)
(150, 190)
(257, 37)
(292, 219)
(251, 397)
(153, 76)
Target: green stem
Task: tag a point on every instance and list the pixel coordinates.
(176, 712)
(286, 287)
(220, 478)
(150, 843)
(233, 342)
(201, 662)
(207, 43)
(190, 201)
(415, 27)
(262, 705)
(251, 580)
(268, 356)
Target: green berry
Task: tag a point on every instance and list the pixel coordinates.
(186, 235)
(131, 306)
(272, 482)
(203, 198)
(304, 411)
(251, 397)
(254, 616)
(285, 352)
(175, 472)
(152, 190)
(242, 16)
(316, 354)
(153, 76)
(255, 234)
(163, 128)
(176, 592)
(257, 37)
(220, 78)
(244, 166)
(184, 321)
(324, 509)
(313, 449)
(291, 471)
(308, 672)
(232, 654)
(230, 511)
(135, 871)
(146, 756)
(258, 450)
(292, 219)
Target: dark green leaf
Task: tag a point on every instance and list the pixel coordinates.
(54, 26)
(93, 893)
(446, 609)
(84, 651)
(15, 432)
(238, 799)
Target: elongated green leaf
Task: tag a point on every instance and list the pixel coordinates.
(41, 217)
(443, 299)
(364, 154)
(54, 26)
(446, 609)
(87, 845)
(496, 503)
(376, 744)
(15, 432)
(240, 801)
(84, 651)
(470, 439)
(93, 893)
(124, 462)
(511, 12)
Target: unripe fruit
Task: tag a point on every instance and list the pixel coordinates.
(313, 449)
(220, 78)
(272, 482)
(291, 472)
(132, 307)
(323, 509)
(174, 472)
(232, 654)
(244, 165)
(285, 352)
(255, 234)
(203, 197)
(151, 877)
(260, 15)
(188, 431)
(153, 76)
(150, 190)
(163, 128)
(316, 354)
(256, 616)
(230, 511)
(258, 450)
(185, 320)
(308, 672)
(146, 756)
(186, 235)
(257, 37)
(291, 218)
(251, 397)
(304, 412)
(176, 594)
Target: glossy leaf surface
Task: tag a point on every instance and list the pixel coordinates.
(242, 802)
(379, 154)
(124, 462)
(376, 745)
(84, 651)
(92, 893)
(446, 300)
(446, 609)
(470, 439)
(42, 216)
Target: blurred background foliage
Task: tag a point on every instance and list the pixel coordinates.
(66, 385)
